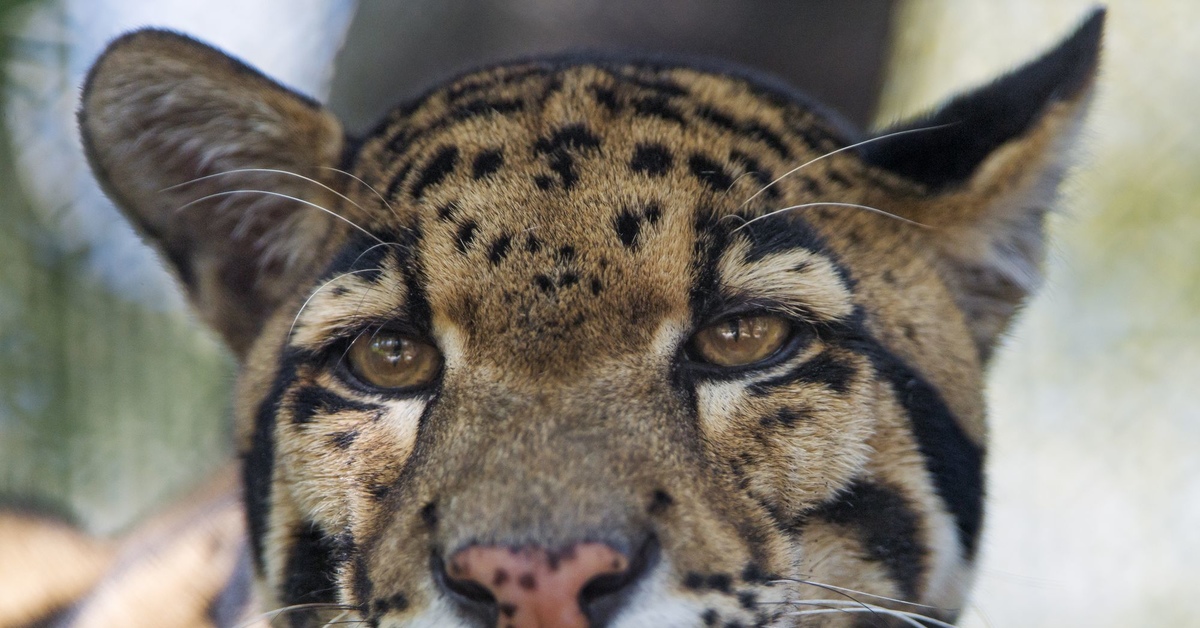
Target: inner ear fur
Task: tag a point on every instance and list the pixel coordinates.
(988, 169)
(167, 123)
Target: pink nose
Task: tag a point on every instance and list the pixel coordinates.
(534, 587)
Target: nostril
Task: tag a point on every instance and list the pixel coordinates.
(470, 594)
(532, 587)
(603, 595)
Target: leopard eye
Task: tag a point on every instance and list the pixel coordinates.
(741, 340)
(392, 360)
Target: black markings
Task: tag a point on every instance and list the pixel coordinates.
(754, 573)
(715, 581)
(483, 107)
(837, 178)
(543, 283)
(570, 137)
(824, 369)
(466, 236)
(710, 172)
(606, 97)
(660, 501)
(397, 602)
(310, 573)
(429, 514)
(564, 166)
(747, 600)
(393, 189)
(543, 182)
(487, 162)
(628, 223)
(363, 256)
(710, 617)
(532, 244)
(887, 527)
(651, 159)
(343, 440)
(762, 176)
(568, 279)
(499, 249)
(746, 128)
(446, 212)
(597, 286)
(258, 463)
(785, 417)
(658, 107)
(436, 170)
(310, 401)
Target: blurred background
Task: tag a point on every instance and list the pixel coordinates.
(112, 400)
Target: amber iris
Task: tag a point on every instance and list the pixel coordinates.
(740, 341)
(391, 360)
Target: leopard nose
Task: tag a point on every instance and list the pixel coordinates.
(532, 587)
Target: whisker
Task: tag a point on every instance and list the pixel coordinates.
(832, 153)
(272, 615)
(366, 185)
(285, 196)
(326, 284)
(270, 171)
(842, 606)
(831, 204)
(845, 591)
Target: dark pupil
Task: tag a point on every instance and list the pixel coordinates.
(391, 348)
(740, 329)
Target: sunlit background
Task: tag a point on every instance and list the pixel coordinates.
(112, 400)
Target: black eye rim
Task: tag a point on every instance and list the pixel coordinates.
(337, 362)
(800, 334)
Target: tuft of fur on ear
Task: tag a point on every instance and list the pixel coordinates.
(194, 147)
(989, 169)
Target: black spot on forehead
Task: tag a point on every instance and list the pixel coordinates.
(466, 236)
(652, 159)
(658, 107)
(710, 172)
(435, 170)
(499, 249)
(574, 136)
(486, 162)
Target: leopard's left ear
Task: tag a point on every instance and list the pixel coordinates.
(990, 168)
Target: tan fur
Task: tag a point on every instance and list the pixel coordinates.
(558, 232)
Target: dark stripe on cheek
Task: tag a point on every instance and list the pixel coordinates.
(953, 460)
(821, 369)
(258, 463)
(310, 401)
(710, 172)
(310, 572)
(886, 525)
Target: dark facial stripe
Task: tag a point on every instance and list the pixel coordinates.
(310, 401)
(364, 256)
(311, 571)
(823, 369)
(258, 463)
(952, 459)
(886, 526)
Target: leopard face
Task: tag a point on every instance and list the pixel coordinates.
(579, 342)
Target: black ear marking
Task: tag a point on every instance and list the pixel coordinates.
(980, 121)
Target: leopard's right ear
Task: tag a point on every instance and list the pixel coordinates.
(202, 152)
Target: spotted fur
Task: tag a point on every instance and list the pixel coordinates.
(559, 228)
